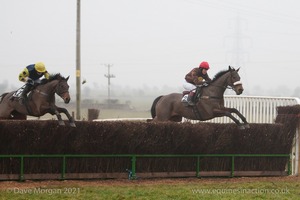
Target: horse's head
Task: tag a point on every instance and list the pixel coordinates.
(235, 81)
(62, 89)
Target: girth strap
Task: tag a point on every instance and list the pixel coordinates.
(29, 110)
(43, 93)
(197, 112)
(210, 97)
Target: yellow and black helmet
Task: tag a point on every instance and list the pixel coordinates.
(40, 67)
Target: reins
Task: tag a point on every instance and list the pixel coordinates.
(42, 93)
(226, 87)
(46, 94)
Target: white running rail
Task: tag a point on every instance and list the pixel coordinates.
(256, 109)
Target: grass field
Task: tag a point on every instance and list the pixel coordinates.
(156, 189)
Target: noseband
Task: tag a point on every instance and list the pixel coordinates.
(234, 84)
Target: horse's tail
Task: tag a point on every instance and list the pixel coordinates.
(153, 113)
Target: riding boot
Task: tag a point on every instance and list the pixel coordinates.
(190, 99)
(23, 96)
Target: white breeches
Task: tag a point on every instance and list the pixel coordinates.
(188, 86)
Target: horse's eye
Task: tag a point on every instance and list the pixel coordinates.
(235, 77)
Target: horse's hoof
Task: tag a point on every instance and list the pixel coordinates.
(246, 125)
(241, 127)
(72, 124)
(61, 123)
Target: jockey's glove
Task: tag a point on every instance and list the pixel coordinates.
(29, 80)
(205, 83)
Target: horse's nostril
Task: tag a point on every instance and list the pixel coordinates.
(67, 100)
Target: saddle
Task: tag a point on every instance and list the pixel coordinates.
(18, 92)
(198, 90)
(197, 95)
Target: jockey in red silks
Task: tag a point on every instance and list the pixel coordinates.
(197, 76)
(31, 75)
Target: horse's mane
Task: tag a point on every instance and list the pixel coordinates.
(52, 77)
(219, 74)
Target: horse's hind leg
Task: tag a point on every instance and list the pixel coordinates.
(7, 112)
(18, 116)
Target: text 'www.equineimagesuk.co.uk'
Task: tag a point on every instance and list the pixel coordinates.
(242, 191)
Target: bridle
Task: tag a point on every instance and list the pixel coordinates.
(231, 87)
(59, 92)
(56, 90)
(234, 84)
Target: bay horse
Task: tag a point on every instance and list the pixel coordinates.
(209, 101)
(41, 100)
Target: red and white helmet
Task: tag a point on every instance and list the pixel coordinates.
(204, 65)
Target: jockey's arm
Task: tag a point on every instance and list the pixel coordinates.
(207, 79)
(192, 77)
(23, 76)
(47, 75)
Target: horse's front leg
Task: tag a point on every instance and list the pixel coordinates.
(227, 112)
(234, 110)
(65, 111)
(54, 111)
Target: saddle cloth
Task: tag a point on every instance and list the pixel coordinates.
(18, 93)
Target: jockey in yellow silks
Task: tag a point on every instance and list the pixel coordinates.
(31, 75)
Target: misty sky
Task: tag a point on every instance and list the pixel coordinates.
(154, 42)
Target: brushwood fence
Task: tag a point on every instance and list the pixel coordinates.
(42, 149)
(264, 109)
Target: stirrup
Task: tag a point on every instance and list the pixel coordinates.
(184, 99)
(191, 103)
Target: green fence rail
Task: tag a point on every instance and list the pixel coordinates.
(134, 158)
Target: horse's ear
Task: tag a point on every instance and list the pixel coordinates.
(238, 69)
(67, 78)
(229, 68)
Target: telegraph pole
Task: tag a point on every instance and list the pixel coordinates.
(108, 76)
(78, 72)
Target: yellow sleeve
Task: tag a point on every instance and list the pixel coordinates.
(46, 74)
(23, 74)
